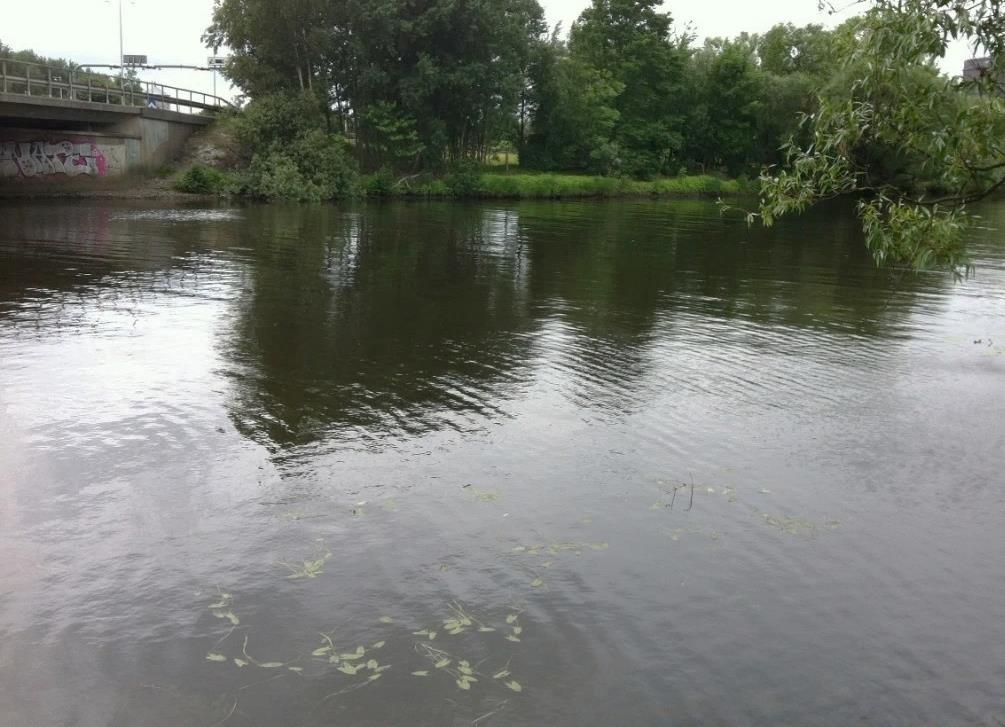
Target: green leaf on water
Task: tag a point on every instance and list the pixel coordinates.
(378, 645)
(511, 619)
(442, 663)
(374, 677)
(297, 669)
(322, 651)
(517, 630)
(485, 629)
(420, 673)
(241, 663)
(464, 684)
(515, 686)
(502, 674)
(215, 657)
(536, 583)
(272, 665)
(386, 620)
(372, 664)
(600, 546)
(467, 671)
(350, 656)
(513, 638)
(349, 669)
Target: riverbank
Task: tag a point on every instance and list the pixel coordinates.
(571, 186)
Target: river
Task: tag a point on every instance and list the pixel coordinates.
(627, 463)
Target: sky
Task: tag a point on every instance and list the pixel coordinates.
(168, 31)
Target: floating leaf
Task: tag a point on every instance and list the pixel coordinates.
(485, 629)
(374, 677)
(378, 645)
(600, 546)
(517, 630)
(464, 684)
(350, 656)
(386, 620)
(515, 686)
(420, 673)
(442, 663)
(502, 674)
(271, 665)
(372, 664)
(511, 619)
(349, 669)
(513, 638)
(536, 583)
(297, 669)
(241, 663)
(467, 671)
(322, 651)
(215, 657)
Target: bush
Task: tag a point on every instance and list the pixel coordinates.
(313, 167)
(464, 181)
(380, 184)
(201, 179)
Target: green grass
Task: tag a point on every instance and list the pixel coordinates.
(571, 186)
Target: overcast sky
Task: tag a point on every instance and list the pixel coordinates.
(168, 31)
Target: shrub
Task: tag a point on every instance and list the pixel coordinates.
(201, 179)
(313, 167)
(464, 180)
(379, 184)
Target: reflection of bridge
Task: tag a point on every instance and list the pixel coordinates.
(59, 124)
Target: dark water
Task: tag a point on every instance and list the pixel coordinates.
(418, 406)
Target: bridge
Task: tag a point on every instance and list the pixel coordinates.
(61, 126)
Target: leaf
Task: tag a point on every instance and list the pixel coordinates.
(511, 619)
(322, 651)
(241, 663)
(378, 645)
(467, 671)
(215, 657)
(349, 669)
(350, 656)
(271, 665)
(515, 686)
(296, 669)
(502, 674)
(372, 664)
(536, 583)
(513, 638)
(374, 677)
(485, 629)
(464, 684)
(420, 673)
(442, 663)
(517, 630)
(386, 620)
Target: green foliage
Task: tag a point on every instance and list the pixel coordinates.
(200, 179)
(920, 147)
(379, 184)
(314, 167)
(291, 155)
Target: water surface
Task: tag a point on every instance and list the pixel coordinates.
(686, 472)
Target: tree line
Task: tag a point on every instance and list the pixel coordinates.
(426, 85)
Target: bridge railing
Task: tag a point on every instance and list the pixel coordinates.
(36, 80)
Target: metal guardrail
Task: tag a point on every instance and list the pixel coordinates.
(36, 80)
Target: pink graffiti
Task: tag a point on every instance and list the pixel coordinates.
(43, 158)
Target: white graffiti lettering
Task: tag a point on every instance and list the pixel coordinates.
(43, 158)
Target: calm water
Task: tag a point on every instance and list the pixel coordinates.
(228, 435)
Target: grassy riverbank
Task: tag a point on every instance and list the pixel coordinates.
(491, 185)
(572, 186)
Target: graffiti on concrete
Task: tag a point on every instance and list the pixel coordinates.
(44, 158)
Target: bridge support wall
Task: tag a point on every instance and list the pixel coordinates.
(56, 144)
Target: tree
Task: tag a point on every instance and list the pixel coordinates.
(635, 44)
(918, 148)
